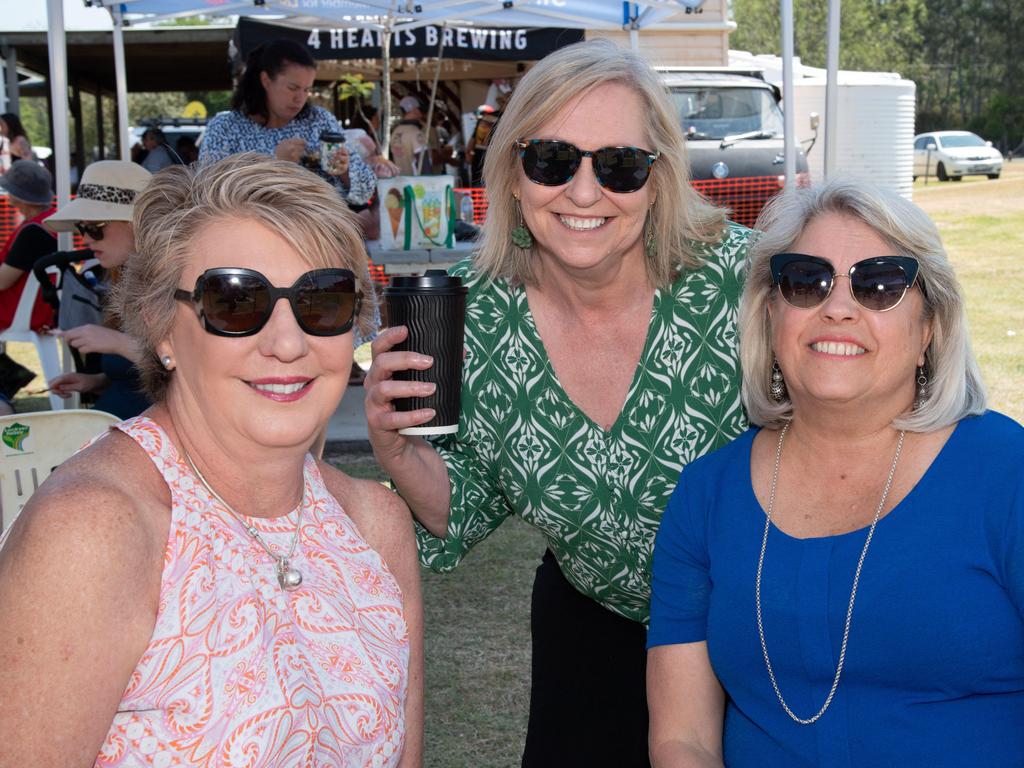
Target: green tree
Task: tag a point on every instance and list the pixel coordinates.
(874, 35)
(966, 56)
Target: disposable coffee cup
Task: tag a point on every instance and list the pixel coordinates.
(329, 142)
(433, 307)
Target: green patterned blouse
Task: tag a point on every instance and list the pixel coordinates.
(523, 447)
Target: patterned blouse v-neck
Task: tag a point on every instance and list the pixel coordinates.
(523, 447)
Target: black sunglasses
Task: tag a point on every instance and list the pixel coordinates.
(553, 163)
(91, 229)
(233, 301)
(878, 284)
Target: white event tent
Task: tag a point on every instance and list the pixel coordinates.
(390, 16)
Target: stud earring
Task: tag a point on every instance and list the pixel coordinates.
(778, 386)
(167, 362)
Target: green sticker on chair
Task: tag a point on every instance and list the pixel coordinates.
(14, 436)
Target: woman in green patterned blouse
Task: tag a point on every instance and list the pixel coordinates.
(600, 358)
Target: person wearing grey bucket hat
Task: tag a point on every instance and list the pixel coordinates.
(28, 188)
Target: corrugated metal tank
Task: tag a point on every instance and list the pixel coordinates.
(875, 132)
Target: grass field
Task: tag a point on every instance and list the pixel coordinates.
(477, 619)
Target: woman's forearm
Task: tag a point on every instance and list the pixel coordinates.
(421, 477)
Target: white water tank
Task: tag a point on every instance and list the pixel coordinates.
(875, 127)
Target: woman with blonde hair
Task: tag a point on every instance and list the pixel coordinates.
(194, 587)
(844, 585)
(600, 358)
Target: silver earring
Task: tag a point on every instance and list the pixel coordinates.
(922, 388)
(778, 386)
(167, 362)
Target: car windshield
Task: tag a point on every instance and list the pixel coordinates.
(714, 112)
(961, 140)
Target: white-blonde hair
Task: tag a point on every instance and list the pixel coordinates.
(182, 200)
(954, 390)
(680, 218)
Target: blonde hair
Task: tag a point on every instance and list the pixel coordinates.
(954, 390)
(680, 218)
(182, 201)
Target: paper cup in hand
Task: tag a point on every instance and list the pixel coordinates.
(433, 308)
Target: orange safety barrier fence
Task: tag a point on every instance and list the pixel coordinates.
(479, 197)
(9, 219)
(745, 197)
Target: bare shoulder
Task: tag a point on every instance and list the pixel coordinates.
(105, 508)
(380, 514)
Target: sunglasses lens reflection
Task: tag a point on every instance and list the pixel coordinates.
(550, 163)
(325, 302)
(879, 286)
(92, 231)
(805, 284)
(236, 303)
(622, 169)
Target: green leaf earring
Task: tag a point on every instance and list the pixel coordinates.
(521, 236)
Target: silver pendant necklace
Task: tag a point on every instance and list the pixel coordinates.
(853, 591)
(288, 576)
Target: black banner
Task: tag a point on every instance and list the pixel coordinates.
(474, 43)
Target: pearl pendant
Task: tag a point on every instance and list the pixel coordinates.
(288, 577)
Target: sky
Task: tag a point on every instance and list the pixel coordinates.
(30, 15)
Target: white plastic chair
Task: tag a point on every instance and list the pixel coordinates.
(33, 444)
(49, 348)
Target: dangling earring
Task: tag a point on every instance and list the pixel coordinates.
(778, 387)
(650, 242)
(167, 362)
(922, 388)
(521, 237)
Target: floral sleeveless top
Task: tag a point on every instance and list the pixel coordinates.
(241, 673)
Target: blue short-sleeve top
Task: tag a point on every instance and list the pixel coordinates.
(934, 671)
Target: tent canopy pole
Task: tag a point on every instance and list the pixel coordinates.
(832, 87)
(789, 119)
(121, 80)
(56, 41)
(433, 97)
(385, 86)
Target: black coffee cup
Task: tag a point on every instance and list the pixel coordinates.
(433, 307)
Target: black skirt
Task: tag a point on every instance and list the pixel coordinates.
(588, 703)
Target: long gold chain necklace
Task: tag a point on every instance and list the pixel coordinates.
(288, 576)
(853, 591)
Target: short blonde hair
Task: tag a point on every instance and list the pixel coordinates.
(680, 218)
(181, 201)
(955, 389)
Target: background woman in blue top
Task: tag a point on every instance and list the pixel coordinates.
(845, 587)
(271, 115)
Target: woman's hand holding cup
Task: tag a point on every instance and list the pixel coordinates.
(339, 162)
(382, 389)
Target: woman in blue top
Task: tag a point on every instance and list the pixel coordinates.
(271, 115)
(845, 586)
